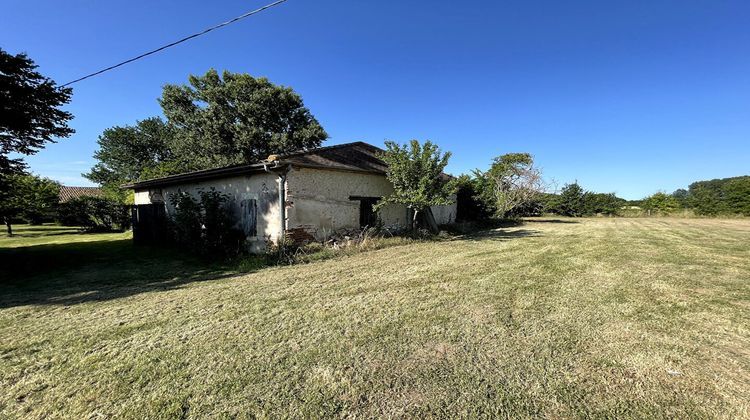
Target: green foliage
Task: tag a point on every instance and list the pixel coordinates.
(27, 197)
(511, 186)
(682, 196)
(661, 203)
(187, 226)
(574, 201)
(131, 153)
(95, 214)
(737, 195)
(416, 172)
(204, 226)
(30, 115)
(601, 203)
(469, 203)
(214, 121)
(235, 119)
(721, 196)
(41, 196)
(570, 201)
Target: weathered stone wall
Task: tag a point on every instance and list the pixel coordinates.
(263, 188)
(318, 202)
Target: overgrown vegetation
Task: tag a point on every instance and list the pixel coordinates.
(204, 226)
(95, 214)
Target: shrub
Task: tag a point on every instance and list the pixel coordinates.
(95, 214)
(204, 226)
(469, 203)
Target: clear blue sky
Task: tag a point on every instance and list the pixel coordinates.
(624, 96)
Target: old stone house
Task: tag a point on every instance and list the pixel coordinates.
(310, 194)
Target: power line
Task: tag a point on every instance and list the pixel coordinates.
(180, 41)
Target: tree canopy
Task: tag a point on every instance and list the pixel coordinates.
(30, 113)
(661, 203)
(511, 182)
(570, 201)
(236, 118)
(211, 122)
(26, 196)
(416, 172)
(720, 196)
(134, 152)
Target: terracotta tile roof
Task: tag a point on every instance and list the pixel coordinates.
(68, 193)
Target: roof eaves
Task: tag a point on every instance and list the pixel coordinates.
(195, 176)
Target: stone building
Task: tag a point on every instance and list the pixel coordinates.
(310, 194)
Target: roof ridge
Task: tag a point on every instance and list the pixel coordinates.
(74, 186)
(319, 149)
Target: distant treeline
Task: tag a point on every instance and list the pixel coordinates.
(726, 196)
(717, 197)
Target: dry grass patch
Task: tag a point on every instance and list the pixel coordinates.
(626, 318)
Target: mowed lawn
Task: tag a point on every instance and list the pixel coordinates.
(558, 318)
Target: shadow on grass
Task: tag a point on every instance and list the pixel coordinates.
(79, 272)
(550, 221)
(501, 234)
(73, 273)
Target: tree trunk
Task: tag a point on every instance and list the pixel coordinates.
(8, 226)
(430, 221)
(413, 226)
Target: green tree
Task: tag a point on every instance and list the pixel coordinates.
(570, 201)
(26, 196)
(720, 196)
(661, 203)
(601, 203)
(737, 195)
(29, 111)
(236, 118)
(416, 172)
(511, 182)
(682, 196)
(469, 202)
(41, 196)
(131, 153)
(95, 214)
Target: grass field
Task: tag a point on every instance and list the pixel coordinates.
(559, 318)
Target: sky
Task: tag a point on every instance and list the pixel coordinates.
(630, 97)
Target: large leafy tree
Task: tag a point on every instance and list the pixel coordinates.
(511, 182)
(134, 152)
(26, 196)
(416, 172)
(30, 114)
(236, 118)
(720, 196)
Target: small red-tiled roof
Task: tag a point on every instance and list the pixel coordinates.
(69, 193)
